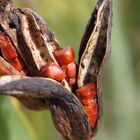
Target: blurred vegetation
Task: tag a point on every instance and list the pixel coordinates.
(120, 79)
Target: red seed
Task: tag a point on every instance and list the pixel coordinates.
(9, 52)
(64, 56)
(64, 67)
(92, 119)
(53, 71)
(93, 107)
(87, 102)
(86, 92)
(4, 40)
(71, 70)
(71, 81)
(92, 113)
(17, 63)
(24, 72)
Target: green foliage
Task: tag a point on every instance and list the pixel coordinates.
(68, 18)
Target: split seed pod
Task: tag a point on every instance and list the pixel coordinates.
(35, 44)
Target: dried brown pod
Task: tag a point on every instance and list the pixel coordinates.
(35, 44)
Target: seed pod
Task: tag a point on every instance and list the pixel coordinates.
(35, 44)
(76, 118)
(94, 50)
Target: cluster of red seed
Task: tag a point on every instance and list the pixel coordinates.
(87, 94)
(66, 68)
(11, 55)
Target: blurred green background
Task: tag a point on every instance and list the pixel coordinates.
(120, 79)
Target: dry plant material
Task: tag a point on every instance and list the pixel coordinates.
(41, 75)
